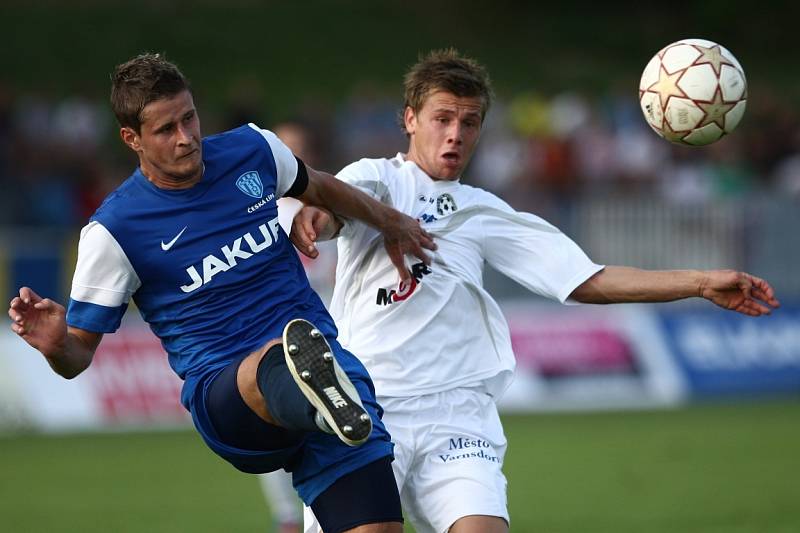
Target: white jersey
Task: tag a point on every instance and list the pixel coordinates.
(444, 330)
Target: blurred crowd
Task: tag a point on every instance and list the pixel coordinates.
(59, 157)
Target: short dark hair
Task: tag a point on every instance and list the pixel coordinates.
(446, 70)
(141, 80)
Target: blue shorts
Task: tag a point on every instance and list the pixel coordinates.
(315, 459)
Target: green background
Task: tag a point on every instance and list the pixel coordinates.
(319, 50)
(708, 469)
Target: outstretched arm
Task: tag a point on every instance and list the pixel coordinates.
(42, 323)
(736, 291)
(401, 233)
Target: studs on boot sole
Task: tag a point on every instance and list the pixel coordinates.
(328, 357)
(315, 334)
(364, 417)
(293, 349)
(305, 375)
(347, 429)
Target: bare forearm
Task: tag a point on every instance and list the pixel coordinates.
(345, 201)
(71, 358)
(618, 284)
(402, 234)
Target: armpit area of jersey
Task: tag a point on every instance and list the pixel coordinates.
(300, 182)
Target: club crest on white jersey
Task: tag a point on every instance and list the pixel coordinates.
(445, 205)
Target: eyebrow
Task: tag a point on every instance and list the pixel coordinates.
(165, 125)
(453, 111)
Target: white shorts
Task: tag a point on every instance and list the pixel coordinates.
(449, 450)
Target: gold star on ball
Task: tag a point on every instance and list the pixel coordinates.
(671, 135)
(667, 86)
(712, 56)
(715, 110)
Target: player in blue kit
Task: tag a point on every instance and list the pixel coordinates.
(193, 237)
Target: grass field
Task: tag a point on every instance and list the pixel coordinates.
(725, 469)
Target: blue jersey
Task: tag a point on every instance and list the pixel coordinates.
(208, 267)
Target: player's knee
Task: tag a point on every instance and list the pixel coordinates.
(247, 379)
(269, 345)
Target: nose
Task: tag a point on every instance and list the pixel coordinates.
(455, 133)
(185, 136)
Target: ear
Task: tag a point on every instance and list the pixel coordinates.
(410, 120)
(131, 138)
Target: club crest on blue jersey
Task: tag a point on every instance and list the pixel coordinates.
(250, 184)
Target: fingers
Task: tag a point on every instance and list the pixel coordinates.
(14, 310)
(764, 291)
(399, 263)
(426, 241)
(752, 308)
(27, 295)
(16, 304)
(303, 236)
(419, 253)
(308, 229)
(757, 307)
(17, 310)
(44, 305)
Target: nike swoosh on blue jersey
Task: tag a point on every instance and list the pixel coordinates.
(168, 245)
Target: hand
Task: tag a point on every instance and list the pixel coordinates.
(309, 225)
(401, 235)
(739, 291)
(40, 322)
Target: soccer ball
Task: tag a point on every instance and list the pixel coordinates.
(693, 92)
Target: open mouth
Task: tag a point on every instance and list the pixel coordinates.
(451, 157)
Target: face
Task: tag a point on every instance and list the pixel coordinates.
(443, 133)
(169, 149)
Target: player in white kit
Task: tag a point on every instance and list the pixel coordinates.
(437, 345)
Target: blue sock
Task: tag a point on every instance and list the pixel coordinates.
(287, 405)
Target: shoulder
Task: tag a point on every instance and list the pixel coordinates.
(243, 136)
(97, 241)
(378, 177)
(484, 198)
(116, 203)
(385, 170)
(367, 169)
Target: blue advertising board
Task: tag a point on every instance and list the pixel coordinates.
(727, 354)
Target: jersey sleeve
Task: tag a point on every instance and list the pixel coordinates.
(286, 164)
(365, 176)
(534, 253)
(103, 283)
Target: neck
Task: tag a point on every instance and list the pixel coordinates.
(167, 181)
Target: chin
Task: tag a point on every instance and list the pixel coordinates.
(191, 169)
(449, 175)
(185, 173)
